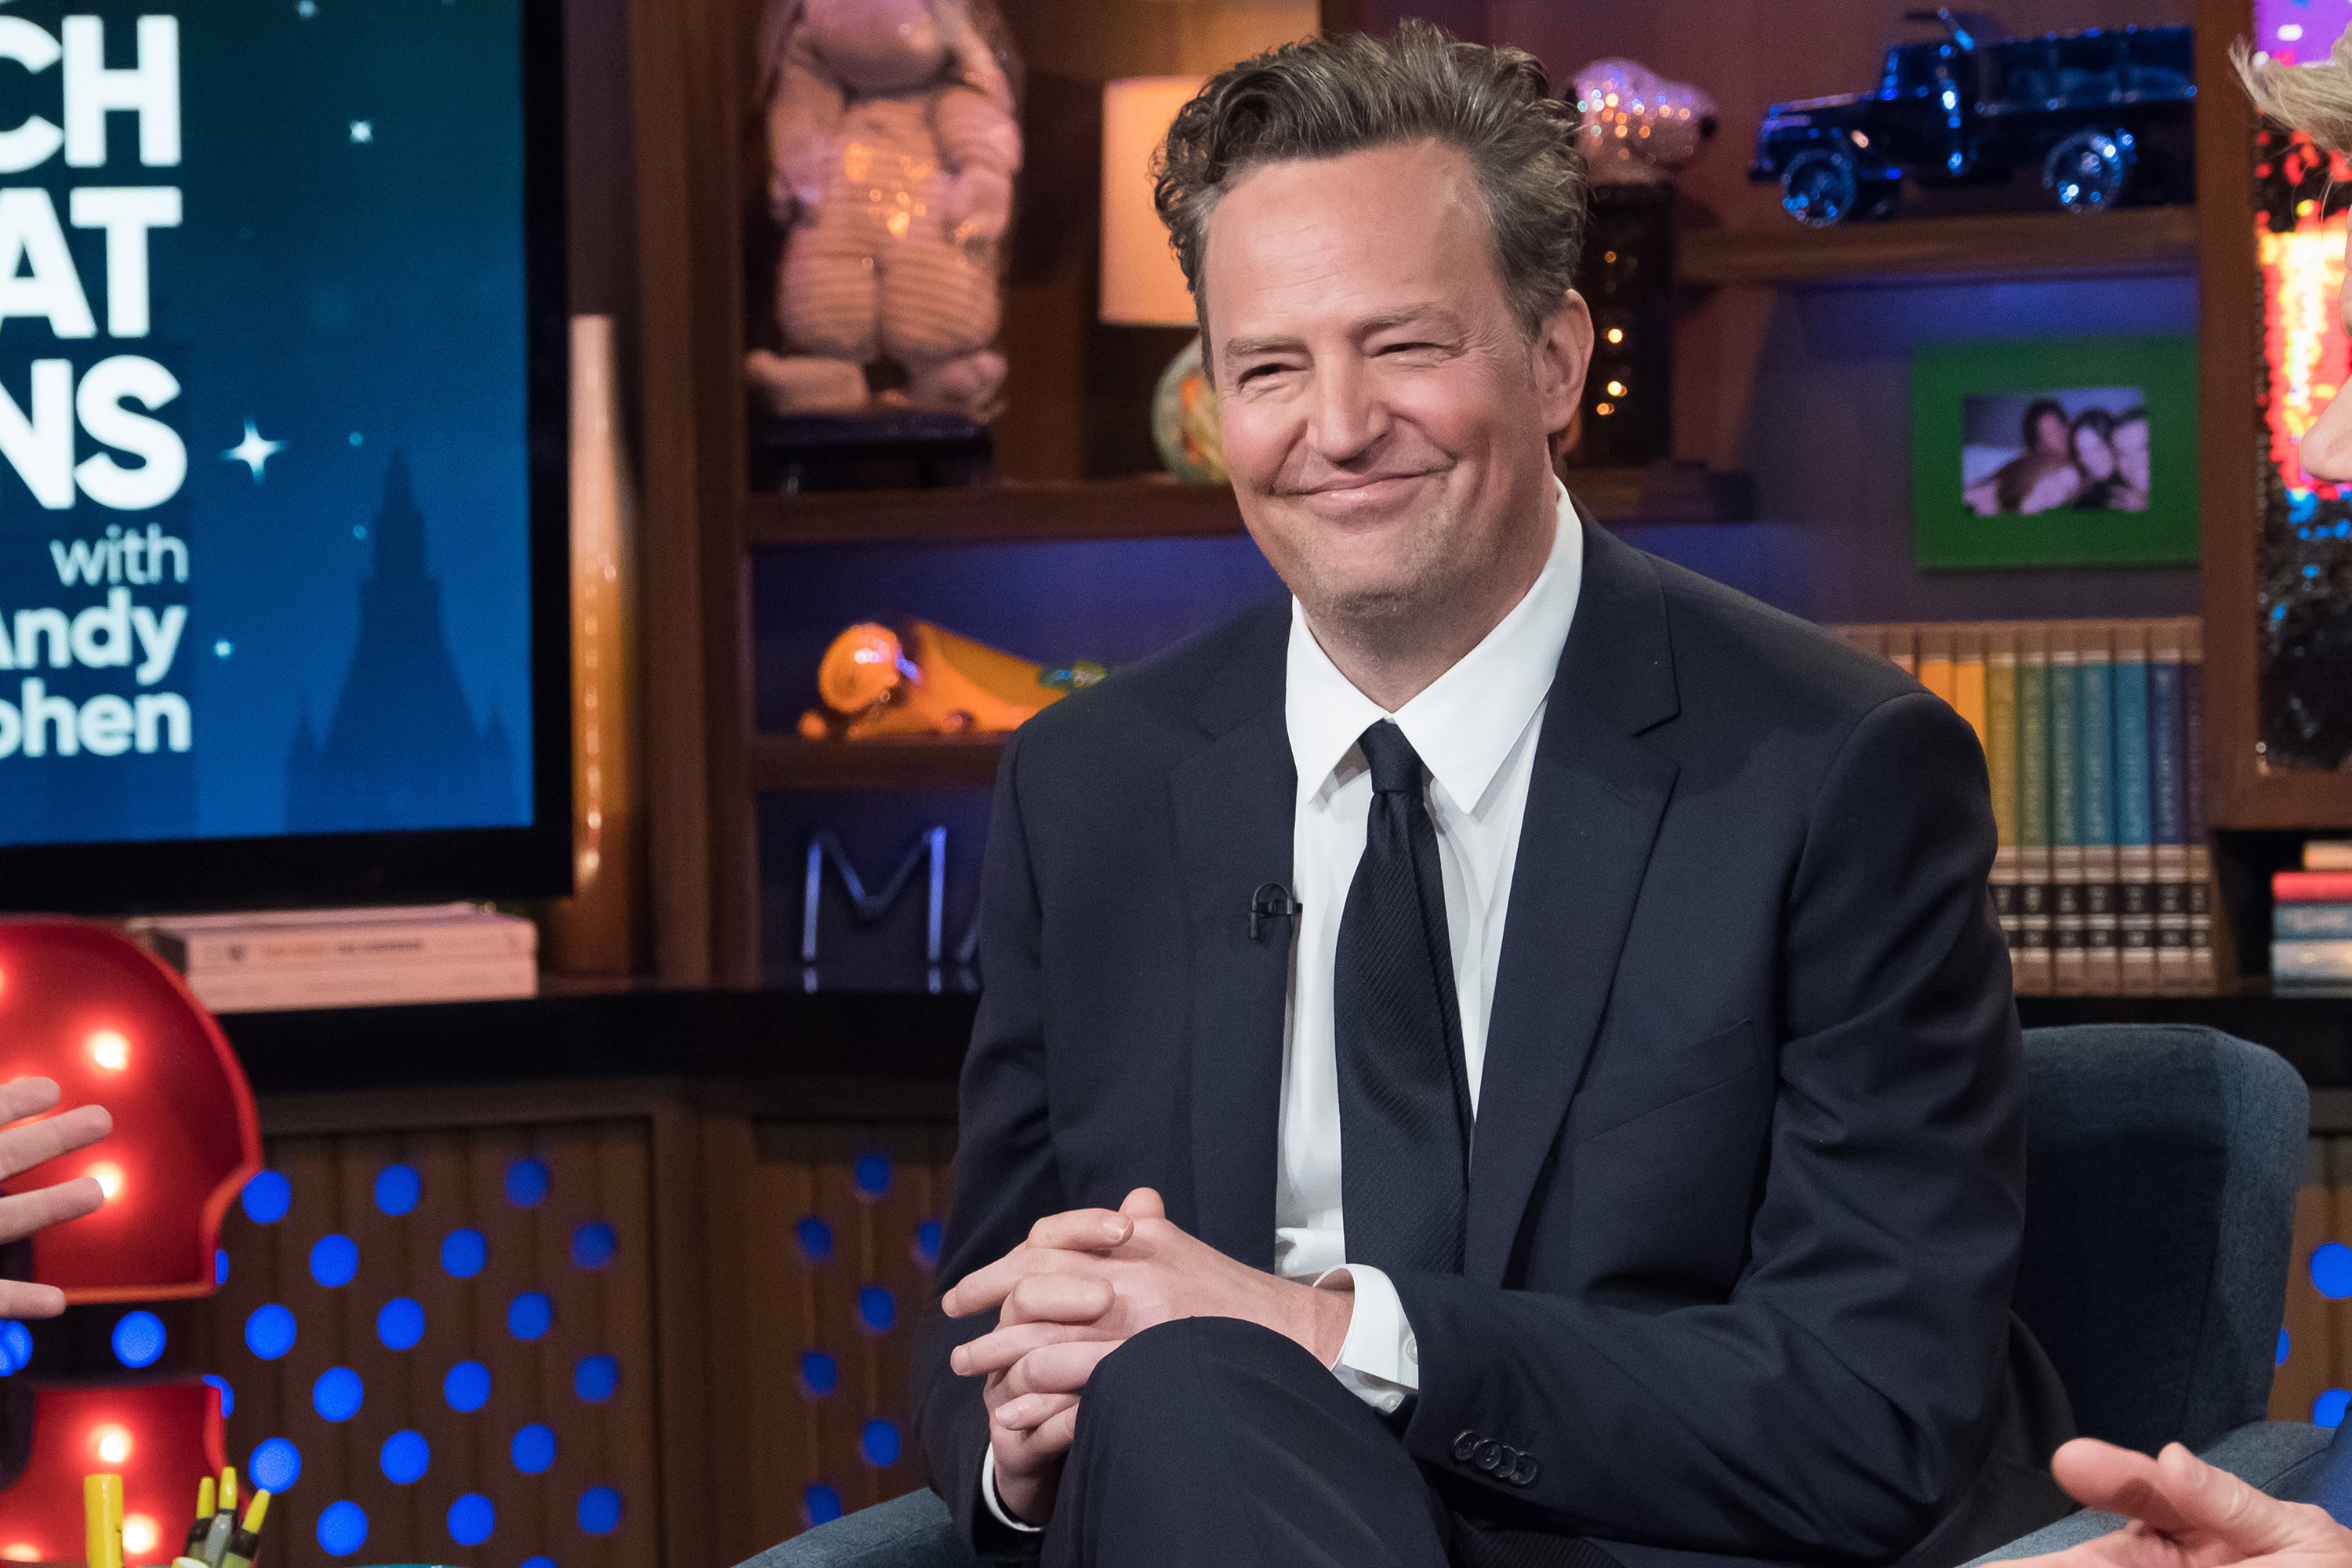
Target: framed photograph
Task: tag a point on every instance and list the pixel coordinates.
(2056, 452)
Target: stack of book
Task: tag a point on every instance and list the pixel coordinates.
(2093, 734)
(348, 958)
(2311, 917)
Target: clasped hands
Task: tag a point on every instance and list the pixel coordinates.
(1084, 1283)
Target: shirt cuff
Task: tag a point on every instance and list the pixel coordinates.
(1380, 1360)
(1003, 1515)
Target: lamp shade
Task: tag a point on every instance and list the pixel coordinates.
(1142, 286)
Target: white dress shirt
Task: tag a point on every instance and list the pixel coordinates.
(1475, 728)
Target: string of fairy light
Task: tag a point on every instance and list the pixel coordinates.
(2303, 274)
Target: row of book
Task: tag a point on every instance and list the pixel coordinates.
(2311, 917)
(2092, 734)
(272, 961)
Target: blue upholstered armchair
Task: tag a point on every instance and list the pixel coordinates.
(2163, 1162)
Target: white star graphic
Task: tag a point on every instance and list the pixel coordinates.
(363, 129)
(252, 451)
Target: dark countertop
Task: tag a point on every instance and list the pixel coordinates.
(900, 1048)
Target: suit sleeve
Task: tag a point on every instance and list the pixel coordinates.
(1004, 1161)
(1846, 1390)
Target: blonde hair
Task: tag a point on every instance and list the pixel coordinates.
(2314, 98)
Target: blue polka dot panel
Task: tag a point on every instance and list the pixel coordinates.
(275, 1464)
(2315, 1341)
(842, 1227)
(139, 1339)
(441, 1345)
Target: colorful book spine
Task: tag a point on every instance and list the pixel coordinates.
(2327, 854)
(2293, 963)
(2096, 777)
(2204, 969)
(2167, 756)
(2135, 813)
(2036, 971)
(2000, 767)
(2311, 886)
(2069, 934)
(1934, 672)
(2303, 923)
(1968, 677)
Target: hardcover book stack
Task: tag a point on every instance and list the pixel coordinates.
(2311, 917)
(2093, 734)
(348, 958)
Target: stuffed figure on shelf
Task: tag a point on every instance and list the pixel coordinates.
(893, 141)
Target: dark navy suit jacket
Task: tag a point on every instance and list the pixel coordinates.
(1748, 1180)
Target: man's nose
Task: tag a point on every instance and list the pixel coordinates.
(1349, 417)
(2325, 453)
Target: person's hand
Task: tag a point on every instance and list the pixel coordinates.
(2185, 1513)
(1082, 1284)
(1091, 1278)
(21, 1148)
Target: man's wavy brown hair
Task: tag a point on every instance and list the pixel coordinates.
(1324, 97)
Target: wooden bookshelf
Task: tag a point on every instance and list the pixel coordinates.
(1150, 508)
(1138, 508)
(2000, 245)
(788, 762)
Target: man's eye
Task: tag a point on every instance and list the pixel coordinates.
(1404, 348)
(1259, 371)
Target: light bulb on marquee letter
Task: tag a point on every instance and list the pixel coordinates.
(110, 1050)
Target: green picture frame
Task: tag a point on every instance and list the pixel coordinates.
(1950, 535)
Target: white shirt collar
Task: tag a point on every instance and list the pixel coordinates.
(1465, 722)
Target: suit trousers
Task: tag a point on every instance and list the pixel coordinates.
(1211, 1441)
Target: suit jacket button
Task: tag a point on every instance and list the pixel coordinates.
(1489, 1457)
(1525, 1471)
(1465, 1442)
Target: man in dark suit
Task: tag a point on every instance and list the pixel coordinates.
(1503, 1057)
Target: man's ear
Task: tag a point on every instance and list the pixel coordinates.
(1563, 350)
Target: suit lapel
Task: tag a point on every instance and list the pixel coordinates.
(1233, 804)
(1594, 800)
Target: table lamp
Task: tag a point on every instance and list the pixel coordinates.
(1142, 285)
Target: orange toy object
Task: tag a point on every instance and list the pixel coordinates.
(112, 1023)
(932, 682)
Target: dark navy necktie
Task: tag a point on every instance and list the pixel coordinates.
(1404, 1094)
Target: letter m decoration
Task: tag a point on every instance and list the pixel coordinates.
(115, 1025)
(930, 847)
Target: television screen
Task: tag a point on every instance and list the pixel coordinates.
(281, 594)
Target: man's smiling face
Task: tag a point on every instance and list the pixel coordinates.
(1386, 421)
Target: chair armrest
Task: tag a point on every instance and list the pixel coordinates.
(911, 1531)
(2275, 1457)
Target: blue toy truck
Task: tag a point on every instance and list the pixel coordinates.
(2104, 114)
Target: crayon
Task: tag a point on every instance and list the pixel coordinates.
(101, 1507)
(245, 1545)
